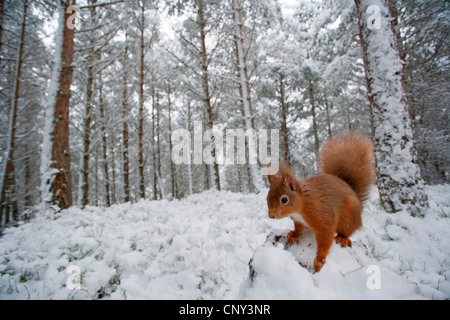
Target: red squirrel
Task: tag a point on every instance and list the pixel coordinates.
(330, 204)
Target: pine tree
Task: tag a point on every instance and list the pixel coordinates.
(88, 106)
(399, 179)
(8, 196)
(141, 104)
(256, 183)
(125, 119)
(421, 29)
(206, 90)
(56, 178)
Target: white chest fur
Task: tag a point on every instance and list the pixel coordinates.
(298, 218)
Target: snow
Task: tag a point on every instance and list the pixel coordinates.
(200, 248)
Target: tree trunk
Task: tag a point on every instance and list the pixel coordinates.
(113, 170)
(55, 164)
(2, 14)
(8, 201)
(314, 119)
(141, 109)
(284, 111)
(327, 113)
(104, 160)
(125, 116)
(206, 93)
(155, 173)
(62, 183)
(158, 138)
(84, 172)
(96, 177)
(172, 164)
(189, 165)
(255, 184)
(399, 182)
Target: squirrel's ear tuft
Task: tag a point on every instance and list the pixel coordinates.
(288, 178)
(285, 170)
(272, 174)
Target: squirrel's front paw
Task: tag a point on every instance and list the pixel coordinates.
(318, 263)
(292, 237)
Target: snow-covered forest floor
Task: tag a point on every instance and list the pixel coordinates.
(200, 248)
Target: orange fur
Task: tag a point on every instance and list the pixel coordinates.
(330, 204)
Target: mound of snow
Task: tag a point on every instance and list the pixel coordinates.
(278, 271)
(200, 248)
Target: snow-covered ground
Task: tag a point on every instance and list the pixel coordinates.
(200, 248)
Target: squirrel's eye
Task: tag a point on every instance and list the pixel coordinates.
(284, 200)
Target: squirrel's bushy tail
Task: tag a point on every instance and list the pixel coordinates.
(350, 157)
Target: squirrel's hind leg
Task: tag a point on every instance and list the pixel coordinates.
(349, 221)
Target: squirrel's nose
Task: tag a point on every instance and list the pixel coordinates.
(271, 214)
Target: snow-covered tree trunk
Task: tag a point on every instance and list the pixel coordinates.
(214, 174)
(189, 165)
(2, 12)
(256, 182)
(104, 160)
(172, 164)
(141, 106)
(113, 170)
(87, 116)
(55, 160)
(284, 111)
(158, 148)
(125, 115)
(399, 178)
(153, 139)
(314, 121)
